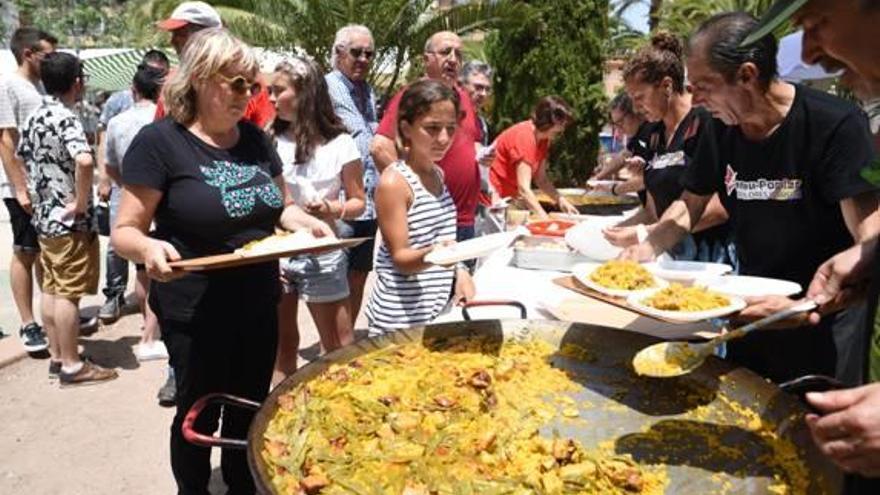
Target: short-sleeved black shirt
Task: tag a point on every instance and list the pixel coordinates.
(783, 193)
(213, 201)
(638, 147)
(666, 164)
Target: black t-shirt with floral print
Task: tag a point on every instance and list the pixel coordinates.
(51, 139)
(213, 201)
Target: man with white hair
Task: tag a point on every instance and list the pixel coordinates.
(355, 105)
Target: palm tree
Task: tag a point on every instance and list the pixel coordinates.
(684, 16)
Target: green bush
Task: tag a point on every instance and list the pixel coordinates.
(557, 51)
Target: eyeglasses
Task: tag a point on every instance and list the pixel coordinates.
(357, 53)
(449, 50)
(482, 88)
(241, 84)
(83, 77)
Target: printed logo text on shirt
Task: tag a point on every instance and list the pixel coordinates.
(763, 189)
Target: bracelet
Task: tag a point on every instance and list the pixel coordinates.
(641, 232)
(614, 189)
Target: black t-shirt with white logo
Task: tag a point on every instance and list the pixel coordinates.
(783, 193)
(213, 201)
(668, 161)
(638, 147)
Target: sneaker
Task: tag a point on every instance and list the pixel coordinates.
(111, 310)
(55, 366)
(89, 374)
(151, 351)
(33, 338)
(88, 322)
(168, 393)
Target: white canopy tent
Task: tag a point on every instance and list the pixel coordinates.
(792, 67)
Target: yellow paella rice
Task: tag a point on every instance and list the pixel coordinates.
(623, 275)
(679, 298)
(410, 420)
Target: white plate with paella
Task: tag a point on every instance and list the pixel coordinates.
(685, 304)
(617, 278)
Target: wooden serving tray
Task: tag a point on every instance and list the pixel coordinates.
(230, 260)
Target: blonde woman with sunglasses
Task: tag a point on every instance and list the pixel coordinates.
(211, 182)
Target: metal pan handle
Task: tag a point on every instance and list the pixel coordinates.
(811, 383)
(523, 314)
(196, 438)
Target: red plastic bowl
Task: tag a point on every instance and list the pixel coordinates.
(554, 228)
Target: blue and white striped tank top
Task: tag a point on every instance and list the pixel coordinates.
(402, 301)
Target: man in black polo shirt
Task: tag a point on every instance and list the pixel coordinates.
(786, 166)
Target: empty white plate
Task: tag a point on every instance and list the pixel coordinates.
(473, 248)
(746, 286)
(587, 239)
(686, 272)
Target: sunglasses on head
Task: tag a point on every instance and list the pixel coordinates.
(356, 53)
(241, 84)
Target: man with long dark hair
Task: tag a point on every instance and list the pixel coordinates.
(786, 167)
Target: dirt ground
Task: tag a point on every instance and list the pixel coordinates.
(105, 439)
(109, 438)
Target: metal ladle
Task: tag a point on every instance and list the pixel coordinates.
(669, 359)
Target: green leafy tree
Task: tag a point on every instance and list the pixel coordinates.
(558, 50)
(79, 24)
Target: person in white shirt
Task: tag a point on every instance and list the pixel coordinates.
(321, 161)
(20, 94)
(121, 130)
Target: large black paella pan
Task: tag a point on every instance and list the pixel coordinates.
(720, 429)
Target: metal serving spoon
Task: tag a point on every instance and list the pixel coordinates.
(668, 359)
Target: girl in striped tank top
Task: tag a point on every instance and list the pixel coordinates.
(416, 213)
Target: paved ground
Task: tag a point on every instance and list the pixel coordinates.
(104, 439)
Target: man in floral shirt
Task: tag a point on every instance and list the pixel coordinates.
(60, 166)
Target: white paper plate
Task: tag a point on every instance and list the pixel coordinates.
(635, 300)
(687, 272)
(587, 239)
(600, 183)
(746, 286)
(473, 248)
(582, 272)
(572, 191)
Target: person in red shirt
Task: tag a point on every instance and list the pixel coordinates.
(442, 59)
(521, 155)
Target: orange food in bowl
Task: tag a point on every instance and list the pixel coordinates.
(549, 227)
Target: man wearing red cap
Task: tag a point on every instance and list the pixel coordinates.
(191, 17)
